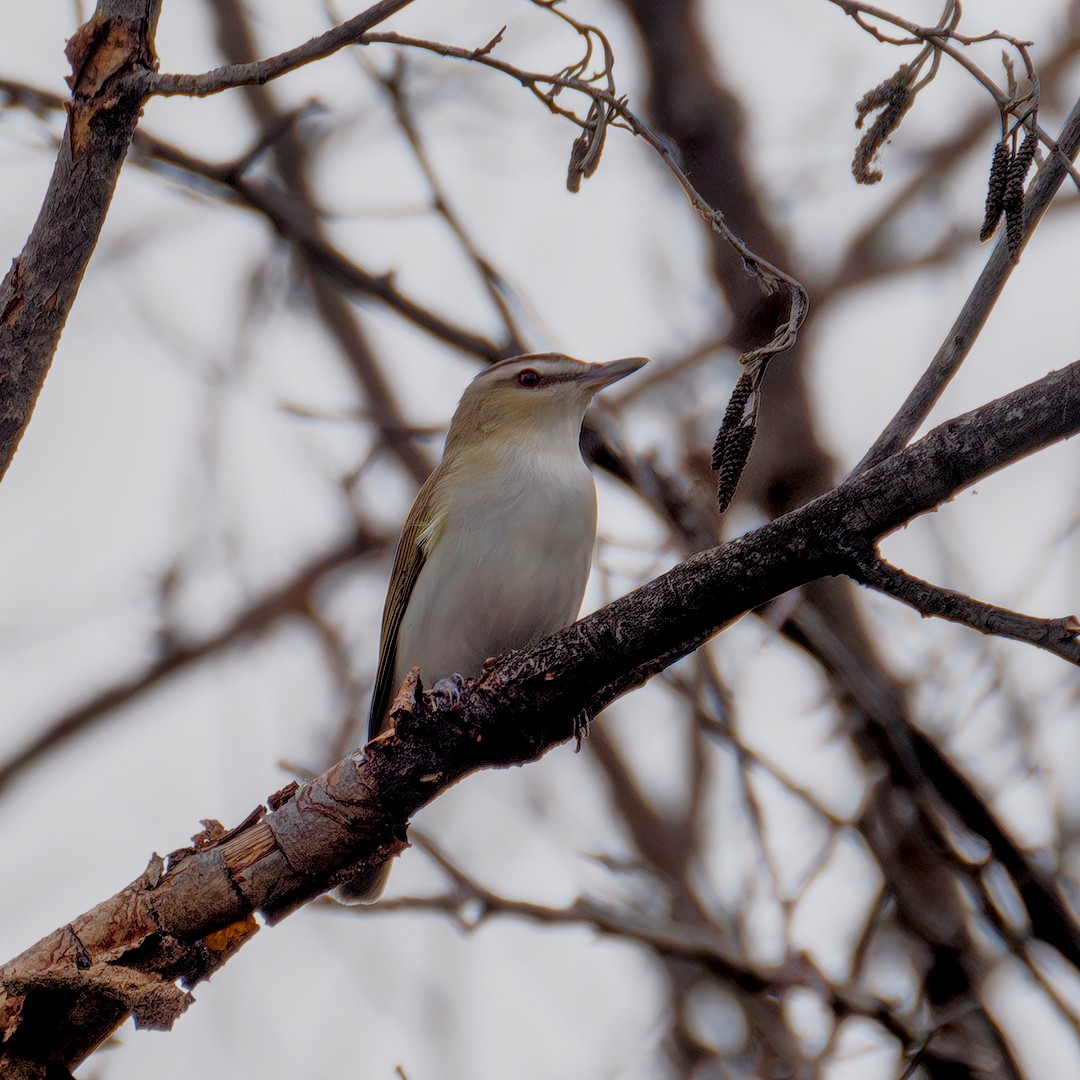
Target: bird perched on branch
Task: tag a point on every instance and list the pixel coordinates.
(496, 550)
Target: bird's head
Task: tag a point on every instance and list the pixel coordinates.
(535, 396)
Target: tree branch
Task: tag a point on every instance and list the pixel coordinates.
(297, 225)
(258, 72)
(112, 57)
(1058, 636)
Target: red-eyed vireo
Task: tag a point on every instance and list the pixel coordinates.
(496, 550)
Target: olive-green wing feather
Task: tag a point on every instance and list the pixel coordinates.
(408, 562)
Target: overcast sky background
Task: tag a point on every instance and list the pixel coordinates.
(161, 429)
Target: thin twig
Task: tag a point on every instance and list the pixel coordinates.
(1057, 636)
(260, 72)
(494, 283)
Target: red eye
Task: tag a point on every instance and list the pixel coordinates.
(528, 378)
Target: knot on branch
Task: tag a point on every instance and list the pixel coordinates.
(110, 57)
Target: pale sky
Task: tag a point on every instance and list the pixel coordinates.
(161, 429)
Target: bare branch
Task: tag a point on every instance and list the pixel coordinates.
(1058, 636)
(769, 276)
(470, 903)
(938, 38)
(296, 224)
(112, 57)
(288, 599)
(262, 71)
(494, 283)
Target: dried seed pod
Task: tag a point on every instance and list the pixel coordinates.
(995, 190)
(882, 94)
(735, 438)
(1013, 200)
(575, 170)
(898, 102)
(1024, 157)
(737, 445)
(585, 153)
(733, 416)
(1014, 217)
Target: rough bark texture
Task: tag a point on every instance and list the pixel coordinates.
(111, 57)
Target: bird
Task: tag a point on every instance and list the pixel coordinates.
(496, 550)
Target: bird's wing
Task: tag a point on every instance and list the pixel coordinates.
(408, 562)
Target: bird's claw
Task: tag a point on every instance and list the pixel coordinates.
(446, 693)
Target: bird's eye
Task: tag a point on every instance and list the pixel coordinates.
(528, 378)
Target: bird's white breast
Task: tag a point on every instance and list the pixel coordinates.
(507, 567)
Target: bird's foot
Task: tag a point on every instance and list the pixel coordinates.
(582, 720)
(446, 693)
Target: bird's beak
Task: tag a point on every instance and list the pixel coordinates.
(600, 375)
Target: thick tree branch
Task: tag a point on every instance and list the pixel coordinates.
(112, 57)
(178, 924)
